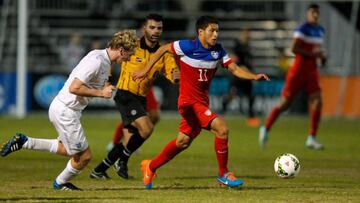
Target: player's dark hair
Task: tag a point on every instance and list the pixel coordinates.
(313, 6)
(204, 21)
(154, 16)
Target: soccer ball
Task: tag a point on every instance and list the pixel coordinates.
(287, 166)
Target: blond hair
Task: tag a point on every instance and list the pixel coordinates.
(126, 39)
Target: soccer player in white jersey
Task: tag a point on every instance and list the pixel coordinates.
(88, 79)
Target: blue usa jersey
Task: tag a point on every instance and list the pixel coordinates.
(312, 37)
(311, 34)
(197, 68)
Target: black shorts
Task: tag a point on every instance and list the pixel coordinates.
(130, 106)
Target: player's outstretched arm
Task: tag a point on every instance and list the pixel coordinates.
(79, 88)
(243, 72)
(157, 55)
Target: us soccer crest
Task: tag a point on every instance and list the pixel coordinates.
(215, 54)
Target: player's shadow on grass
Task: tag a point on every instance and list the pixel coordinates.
(175, 186)
(179, 186)
(214, 177)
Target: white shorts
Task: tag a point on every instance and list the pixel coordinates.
(68, 126)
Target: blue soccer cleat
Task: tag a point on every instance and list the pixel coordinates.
(13, 144)
(263, 136)
(65, 186)
(228, 179)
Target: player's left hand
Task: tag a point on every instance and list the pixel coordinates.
(107, 91)
(261, 76)
(138, 74)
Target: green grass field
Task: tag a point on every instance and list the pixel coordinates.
(331, 175)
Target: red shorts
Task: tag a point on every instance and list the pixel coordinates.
(298, 80)
(151, 102)
(194, 118)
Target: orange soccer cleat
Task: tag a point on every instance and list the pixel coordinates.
(147, 173)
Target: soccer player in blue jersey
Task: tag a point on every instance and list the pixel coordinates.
(307, 42)
(198, 60)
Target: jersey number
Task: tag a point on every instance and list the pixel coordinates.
(202, 75)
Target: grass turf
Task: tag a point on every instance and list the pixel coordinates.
(331, 175)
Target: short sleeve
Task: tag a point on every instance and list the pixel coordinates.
(300, 32)
(181, 47)
(226, 60)
(86, 70)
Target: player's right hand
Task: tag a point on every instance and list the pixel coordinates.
(318, 53)
(107, 91)
(262, 76)
(175, 73)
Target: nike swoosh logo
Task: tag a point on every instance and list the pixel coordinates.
(125, 152)
(226, 182)
(146, 173)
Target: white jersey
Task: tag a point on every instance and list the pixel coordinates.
(93, 70)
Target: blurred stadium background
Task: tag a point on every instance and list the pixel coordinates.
(42, 40)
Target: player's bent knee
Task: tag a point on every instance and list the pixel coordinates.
(84, 160)
(61, 149)
(223, 132)
(155, 119)
(145, 132)
(183, 143)
(284, 105)
(85, 157)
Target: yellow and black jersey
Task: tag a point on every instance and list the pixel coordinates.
(142, 55)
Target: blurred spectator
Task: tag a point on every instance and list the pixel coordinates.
(99, 8)
(96, 43)
(242, 56)
(72, 53)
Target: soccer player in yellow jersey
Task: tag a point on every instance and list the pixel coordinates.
(131, 101)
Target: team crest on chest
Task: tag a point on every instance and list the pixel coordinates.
(214, 54)
(207, 112)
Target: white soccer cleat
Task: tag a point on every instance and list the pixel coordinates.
(263, 136)
(109, 146)
(313, 143)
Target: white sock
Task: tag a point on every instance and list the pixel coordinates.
(50, 145)
(67, 174)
